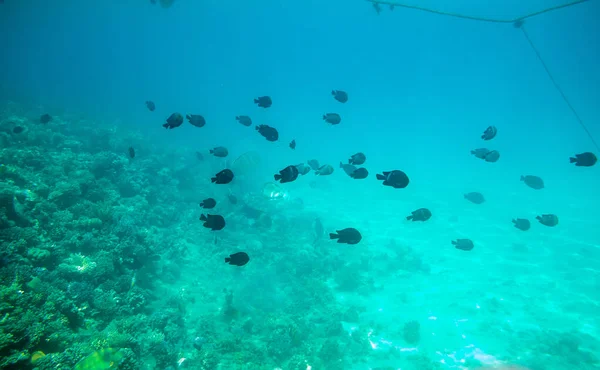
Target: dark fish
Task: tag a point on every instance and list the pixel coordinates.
(45, 118)
(492, 156)
(396, 179)
(346, 236)
(223, 177)
(463, 244)
(268, 132)
(348, 168)
(480, 153)
(220, 152)
(18, 129)
(332, 118)
(232, 199)
(324, 170)
(196, 120)
(199, 156)
(244, 120)
(586, 159)
(340, 95)
(263, 101)
(303, 169)
(131, 152)
(288, 174)
(208, 203)
(421, 214)
(314, 164)
(489, 133)
(237, 259)
(150, 105)
(360, 173)
(533, 182)
(475, 197)
(293, 144)
(522, 223)
(174, 120)
(548, 220)
(213, 222)
(357, 159)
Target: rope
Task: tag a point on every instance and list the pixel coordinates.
(517, 23)
(473, 18)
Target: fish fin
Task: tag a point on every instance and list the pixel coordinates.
(277, 177)
(203, 218)
(227, 259)
(380, 177)
(333, 236)
(409, 217)
(572, 160)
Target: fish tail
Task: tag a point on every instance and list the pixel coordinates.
(166, 125)
(380, 177)
(227, 259)
(333, 236)
(409, 217)
(453, 242)
(277, 177)
(341, 165)
(212, 151)
(203, 218)
(539, 218)
(522, 178)
(332, 92)
(214, 179)
(256, 100)
(572, 160)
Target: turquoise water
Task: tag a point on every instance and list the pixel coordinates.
(103, 255)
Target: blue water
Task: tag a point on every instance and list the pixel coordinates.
(422, 88)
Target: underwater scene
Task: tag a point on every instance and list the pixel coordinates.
(308, 185)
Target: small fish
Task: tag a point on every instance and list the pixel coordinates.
(232, 198)
(213, 222)
(288, 174)
(489, 133)
(332, 118)
(346, 236)
(237, 259)
(586, 159)
(348, 168)
(314, 164)
(357, 159)
(223, 177)
(396, 179)
(196, 120)
(131, 152)
(421, 214)
(340, 95)
(45, 118)
(244, 120)
(150, 105)
(463, 244)
(199, 156)
(220, 152)
(263, 101)
(268, 132)
(319, 229)
(293, 144)
(480, 153)
(208, 203)
(324, 170)
(475, 197)
(174, 120)
(522, 223)
(303, 169)
(533, 182)
(548, 220)
(360, 173)
(492, 156)
(18, 129)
